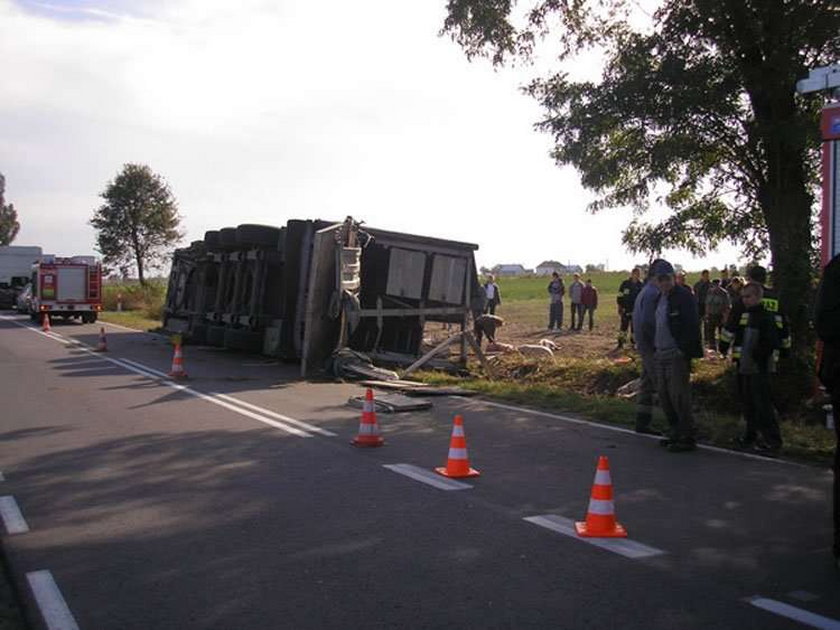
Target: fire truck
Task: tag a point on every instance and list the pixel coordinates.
(66, 287)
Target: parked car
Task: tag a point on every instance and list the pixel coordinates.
(24, 300)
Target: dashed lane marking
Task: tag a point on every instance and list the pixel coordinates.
(12, 517)
(428, 477)
(622, 546)
(54, 609)
(804, 617)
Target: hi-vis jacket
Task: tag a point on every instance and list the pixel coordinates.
(738, 319)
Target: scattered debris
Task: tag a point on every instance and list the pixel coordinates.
(534, 350)
(348, 363)
(392, 403)
(630, 389)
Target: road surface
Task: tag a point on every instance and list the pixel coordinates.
(235, 500)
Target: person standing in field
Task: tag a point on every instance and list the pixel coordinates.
(701, 289)
(493, 295)
(717, 308)
(627, 293)
(556, 291)
(575, 295)
(589, 299)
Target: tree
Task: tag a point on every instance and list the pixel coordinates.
(9, 225)
(696, 111)
(138, 221)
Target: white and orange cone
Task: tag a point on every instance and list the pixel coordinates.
(45, 323)
(102, 346)
(458, 463)
(177, 372)
(368, 428)
(600, 516)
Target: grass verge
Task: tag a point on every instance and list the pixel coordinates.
(130, 319)
(588, 387)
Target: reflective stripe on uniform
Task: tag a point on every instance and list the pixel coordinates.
(726, 335)
(736, 352)
(745, 319)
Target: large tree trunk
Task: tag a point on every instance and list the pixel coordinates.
(787, 203)
(140, 275)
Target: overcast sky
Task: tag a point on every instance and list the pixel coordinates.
(258, 111)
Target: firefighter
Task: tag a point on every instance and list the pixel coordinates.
(627, 293)
(770, 301)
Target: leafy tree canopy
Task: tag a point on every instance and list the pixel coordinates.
(695, 110)
(139, 220)
(9, 225)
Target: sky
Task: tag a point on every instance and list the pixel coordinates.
(261, 111)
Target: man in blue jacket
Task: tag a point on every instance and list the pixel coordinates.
(676, 341)
(644, 328)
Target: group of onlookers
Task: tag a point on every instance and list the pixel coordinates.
(583, 302)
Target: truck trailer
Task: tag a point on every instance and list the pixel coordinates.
(311, 288)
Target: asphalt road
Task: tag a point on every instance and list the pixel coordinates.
(238, 502)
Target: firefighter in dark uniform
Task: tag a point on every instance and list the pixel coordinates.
(731, 337)
(628, 291)
(770, 301)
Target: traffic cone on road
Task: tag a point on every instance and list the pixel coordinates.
(102, 346)
(177, 372)
(368, 428)
(45, 323)
(600, 516)
(458, 463)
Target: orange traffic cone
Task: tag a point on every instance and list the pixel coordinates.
(458, 464)
(600, 517)
(45, 323)
(102, 346)
(177, 372)
(368, 428)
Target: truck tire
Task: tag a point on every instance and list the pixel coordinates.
(216, 335)
(212, 240)
(264, 236)
(243, 339)
(88, 318)
(227, 237)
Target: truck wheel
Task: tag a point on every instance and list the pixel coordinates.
(88, 318)
(243, 339)
(266, 236)
(198, 334)
(227, 238)
(216, 335)
(212, 240)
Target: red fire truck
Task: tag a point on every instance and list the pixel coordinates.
(66, 287)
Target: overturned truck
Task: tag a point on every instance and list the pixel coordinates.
(309, 289)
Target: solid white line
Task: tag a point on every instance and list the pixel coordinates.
(299, 423)
(154, 374)
(610, 427)
(427, 477)
(53, 608)
(792, 612)
(12, 517)
(622, 546)
(183, 388)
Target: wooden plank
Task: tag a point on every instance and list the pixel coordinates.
(431, 353)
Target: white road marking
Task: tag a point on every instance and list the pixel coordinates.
(51, 603)
(622, 546)
(12, 516)
(792, 612)
(147, 372)
(427, 477)
(268, 412)
(183, 388)
(617, 429)
(2, 478)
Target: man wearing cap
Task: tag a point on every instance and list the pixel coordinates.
(676, 341)
(644, 329)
